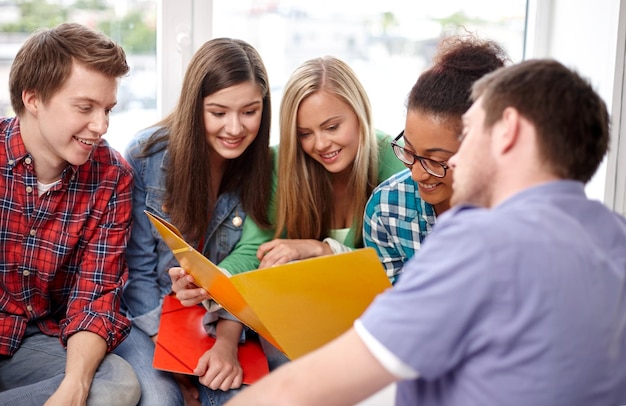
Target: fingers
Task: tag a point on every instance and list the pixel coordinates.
(186, 291)
(277, 252)
(216, 373)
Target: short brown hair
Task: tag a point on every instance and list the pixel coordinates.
(44, 62)
(570, 118)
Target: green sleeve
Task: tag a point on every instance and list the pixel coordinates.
(388, 163)
(243, 258)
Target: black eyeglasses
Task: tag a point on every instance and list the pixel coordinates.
(436, 168)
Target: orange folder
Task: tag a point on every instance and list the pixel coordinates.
(182, 341)
(298, 306)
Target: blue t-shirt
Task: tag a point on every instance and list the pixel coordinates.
(523, 304)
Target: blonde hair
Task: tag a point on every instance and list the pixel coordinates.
(305, 208)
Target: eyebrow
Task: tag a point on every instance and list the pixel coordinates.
(323, 123)
(85, 99)
(428, 151)
(226, 107)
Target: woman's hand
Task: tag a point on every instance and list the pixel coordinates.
(219, 367)
(281, 251)
(186, 291)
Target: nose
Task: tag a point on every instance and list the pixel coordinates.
(99, 123)
(233, 125)
(322, 142)
(418, 173)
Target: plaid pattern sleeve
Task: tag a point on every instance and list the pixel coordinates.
(396, 222)
(63, 261)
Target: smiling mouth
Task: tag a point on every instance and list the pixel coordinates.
(427, 186)
(86, 142)
(331, 155)
(231, 141)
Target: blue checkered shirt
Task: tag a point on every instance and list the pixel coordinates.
(396, 222)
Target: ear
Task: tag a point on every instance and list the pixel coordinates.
(508, 130)
(31, 101)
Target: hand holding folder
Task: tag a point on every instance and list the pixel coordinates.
(298, 306)
(182, 341)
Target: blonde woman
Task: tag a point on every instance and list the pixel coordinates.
(329, 160)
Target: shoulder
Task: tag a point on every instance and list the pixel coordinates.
(400, 180)
(138, 142)
(391, 189)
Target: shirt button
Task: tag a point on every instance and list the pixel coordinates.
(29, 308)
(28, 161)
(11, 162)
(29, 189)
(26, 272)
(33, 232)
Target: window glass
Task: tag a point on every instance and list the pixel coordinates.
(131, 24)
(388, 44)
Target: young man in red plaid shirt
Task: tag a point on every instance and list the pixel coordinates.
(65, 209)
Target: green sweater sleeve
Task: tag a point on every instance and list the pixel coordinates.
(388, 163)
(243, 258)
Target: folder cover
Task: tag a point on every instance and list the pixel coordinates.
(298, 306)
(182, 340)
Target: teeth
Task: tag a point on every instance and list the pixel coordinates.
(231, 141)
(427, 186)
(86, 142)
(331, 155)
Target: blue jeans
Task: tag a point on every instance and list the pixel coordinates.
(36, 369)
(158, 388)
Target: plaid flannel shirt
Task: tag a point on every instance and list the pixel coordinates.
(62, 263)
(396, 222)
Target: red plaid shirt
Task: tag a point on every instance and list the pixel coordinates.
(62, 261)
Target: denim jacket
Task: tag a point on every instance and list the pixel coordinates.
(149, 258)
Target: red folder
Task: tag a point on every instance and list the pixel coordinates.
(182, 340)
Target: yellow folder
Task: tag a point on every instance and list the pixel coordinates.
(298, 306)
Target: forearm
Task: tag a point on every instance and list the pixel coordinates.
(228, 333)
(342, 372)
(85, 351)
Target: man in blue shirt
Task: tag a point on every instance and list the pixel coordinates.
(518, 297)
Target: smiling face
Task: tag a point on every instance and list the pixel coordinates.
(70, 124)
(328, 130)
(431, 137)
(232, 117)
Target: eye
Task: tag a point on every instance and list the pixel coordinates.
(332, 127)
(217, 114)
(250, 112)
(84, 109)
(303, 134)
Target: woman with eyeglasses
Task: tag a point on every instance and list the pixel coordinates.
(402, 210)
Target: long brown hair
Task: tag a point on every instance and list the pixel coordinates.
(220, 63)
(305, 208)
